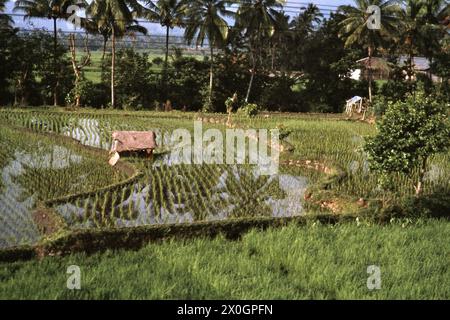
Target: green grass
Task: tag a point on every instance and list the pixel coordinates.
(316, 261)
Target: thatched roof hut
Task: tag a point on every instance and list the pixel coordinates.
(380, 68)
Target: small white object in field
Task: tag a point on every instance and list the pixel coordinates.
(352, 103)
(114, 159)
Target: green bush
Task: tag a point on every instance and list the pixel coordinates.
(379, 105)
(394, 90)
(248, 110)
(187, 84)
(132, 78)
(408, 135)
(279, 96)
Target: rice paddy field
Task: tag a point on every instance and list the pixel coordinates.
(57, 160)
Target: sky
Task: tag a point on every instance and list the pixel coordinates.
(292, 7)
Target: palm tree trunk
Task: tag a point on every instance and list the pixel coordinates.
(273, 57)
(105, 41)
(113, 65)
(211, 73)
(166, 63)
(423, 168)
(370, 74)
(411, 67)
(167, 46)
(55, 44)
(252, 77)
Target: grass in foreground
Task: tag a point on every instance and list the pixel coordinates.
(320, 262)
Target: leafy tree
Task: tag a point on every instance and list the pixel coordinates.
(28, 78)
(325, 63)
(78, 66)
(133, 78)
(50, 71)
(408, 135)
(354, 28)
(51, 9)
(187, 78)
(8, 38)
(232, 77)
(206, 20)
(135, 88)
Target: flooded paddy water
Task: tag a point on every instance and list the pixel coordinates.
(165, 193)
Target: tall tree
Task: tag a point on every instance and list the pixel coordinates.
(413, 22)
(437, 11)
(169, 14)
(434, 31)
(259, 20)
(54, 10)
(307, 21)
(301, 29)
(280, 36)
(355, 27)
(205, 19)
(94, 27)
(116, 16)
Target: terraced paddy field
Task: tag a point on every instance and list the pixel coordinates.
(44, 166)
(58, 191)
(57, 160)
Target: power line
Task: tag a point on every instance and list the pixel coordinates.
(134, 33)
(293, 5)
(299, 6)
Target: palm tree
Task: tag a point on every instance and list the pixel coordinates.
(436, 19)
(169, 13)
(5, 20)
(306, 21)
(413, 17)
(436, 11)
(114, 16)
(93, 27)
(51, 9)
(205, 19)
(281, 36)
(355, 30)
(259, 20)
